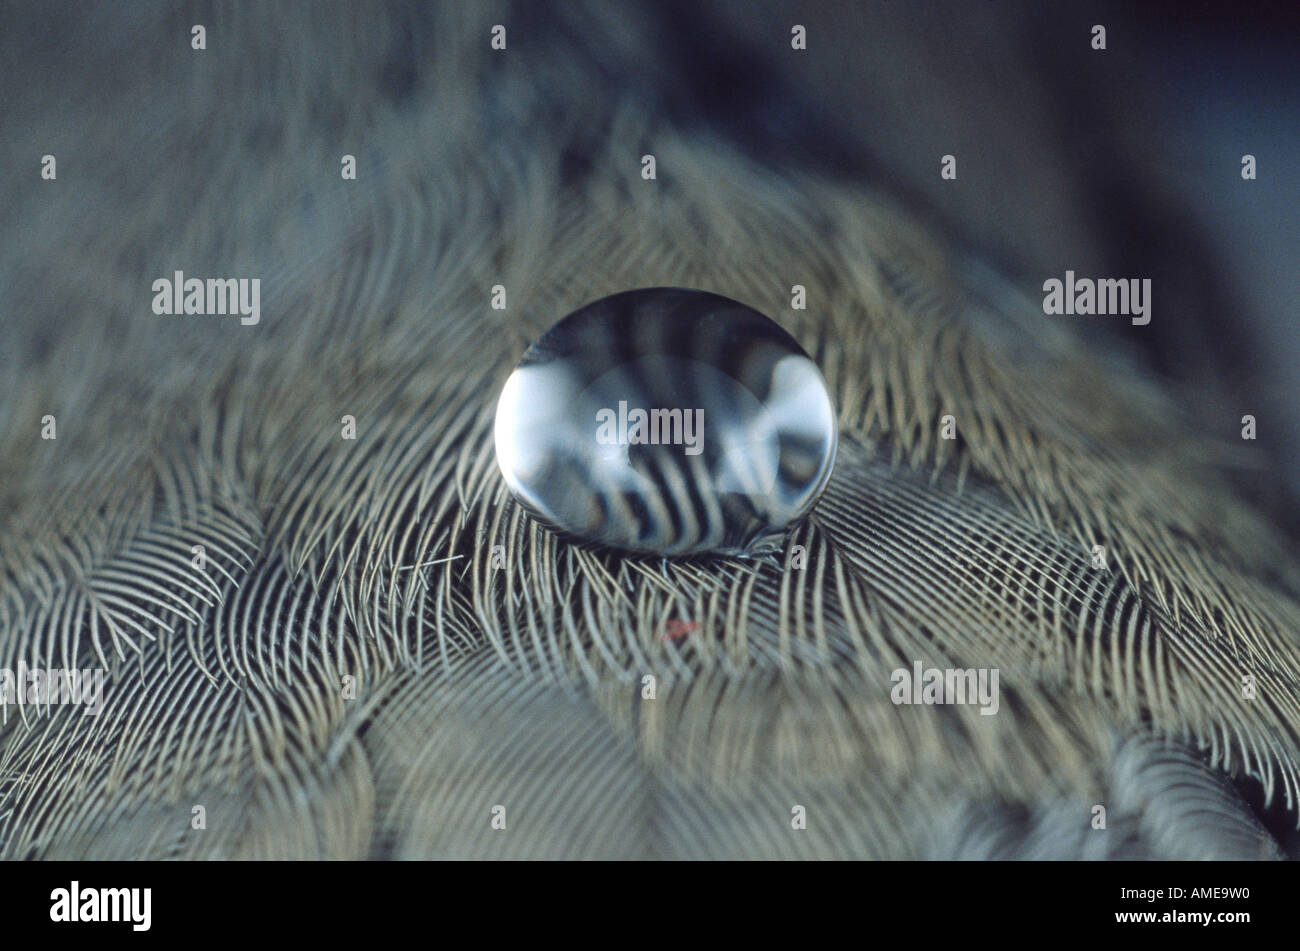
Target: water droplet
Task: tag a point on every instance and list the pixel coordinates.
(667, 421)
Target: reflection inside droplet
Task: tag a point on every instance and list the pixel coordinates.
(667, 421)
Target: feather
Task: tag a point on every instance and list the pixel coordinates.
(495, 664)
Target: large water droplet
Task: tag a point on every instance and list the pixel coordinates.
(667, 421)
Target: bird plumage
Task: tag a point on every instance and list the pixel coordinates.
(519, 684)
